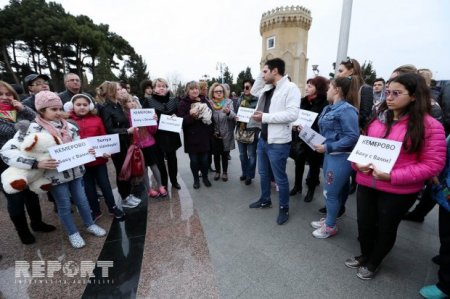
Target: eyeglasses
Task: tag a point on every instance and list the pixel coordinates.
(247, 87)
(218, 91)
(394, 93)
(40, 83)
(73, 80)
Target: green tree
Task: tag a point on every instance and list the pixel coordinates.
(56, 42)
(369, 74)
(227, 76)
(243, 75)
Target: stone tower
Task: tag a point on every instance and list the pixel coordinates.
(284, 32)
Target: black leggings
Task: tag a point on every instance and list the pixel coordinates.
(444, 251)
(224, 157)
(379, 215)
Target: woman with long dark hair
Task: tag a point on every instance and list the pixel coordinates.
(338, 123)
(383, 198)
(315, 100)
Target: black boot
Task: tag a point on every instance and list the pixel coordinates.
(310, 194)
(42, 227)
(20, 222)
(34, 211)
(295, 190)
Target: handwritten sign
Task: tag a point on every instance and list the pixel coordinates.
(311, 137)
(106, 144)
(306, 118)
(244, 114)
(142, 117)
(382, 153)
(72, 154)
(170, 123)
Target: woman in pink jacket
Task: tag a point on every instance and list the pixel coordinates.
(383, 198)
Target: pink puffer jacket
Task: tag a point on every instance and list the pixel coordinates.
(411, 170)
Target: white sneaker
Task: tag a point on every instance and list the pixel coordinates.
(318, 224)
(325, 232)
(134, 200)
(96, 230)
(76, 240)
(128, 203)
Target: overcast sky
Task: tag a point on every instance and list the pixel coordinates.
(185, 40)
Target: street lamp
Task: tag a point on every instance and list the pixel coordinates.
(315, 68)
(220, 66)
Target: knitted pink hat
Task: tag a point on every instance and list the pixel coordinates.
(45, 99)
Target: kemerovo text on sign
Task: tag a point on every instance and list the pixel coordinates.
(142, 117)
(382, 153)
(72, 154)
(106, 144)
(305, 118)
(244, 114)
(170, 123)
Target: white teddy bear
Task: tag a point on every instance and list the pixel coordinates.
(34, 146)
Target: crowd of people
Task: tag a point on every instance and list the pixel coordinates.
(401, 109)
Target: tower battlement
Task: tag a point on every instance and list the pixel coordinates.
(286, 16)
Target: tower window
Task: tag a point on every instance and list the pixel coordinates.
(270, 42)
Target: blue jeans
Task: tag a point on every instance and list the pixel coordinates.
(336, 172)
(62, 194)
(247, 154)
(98, 174)
(273, 156)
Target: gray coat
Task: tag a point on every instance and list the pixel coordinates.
(224, 125)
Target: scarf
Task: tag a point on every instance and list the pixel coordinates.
(310, 98)
(53, 128)
(8, 112)
(218, 103)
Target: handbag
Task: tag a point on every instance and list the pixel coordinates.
(134, 164)
(297, 149)
(244, 136)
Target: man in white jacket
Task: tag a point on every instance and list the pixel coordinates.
(278, 106)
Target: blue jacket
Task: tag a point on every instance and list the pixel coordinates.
(338, 123)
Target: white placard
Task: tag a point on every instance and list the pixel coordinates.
(106, 144)
(244, 114)
(311, 137)
(72, 154)
(382, 153)
(306, 118)
(142, 117)
(170, 123)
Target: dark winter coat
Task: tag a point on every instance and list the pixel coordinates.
(116, 122)
(197, 135)
(165, 140)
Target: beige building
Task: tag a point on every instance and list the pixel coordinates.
(284, 32)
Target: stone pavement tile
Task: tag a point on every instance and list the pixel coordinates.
(254, 292)
(232, 281)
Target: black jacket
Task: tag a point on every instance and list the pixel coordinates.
(165, 140)
(116, 122)
(197, 135)
(444, 101)
(365, 105)
(30, 102)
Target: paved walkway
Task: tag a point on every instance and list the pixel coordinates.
(207, 243)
